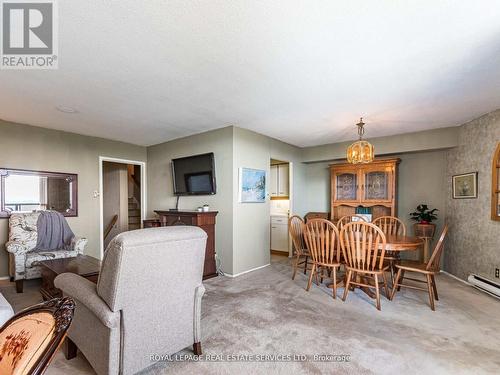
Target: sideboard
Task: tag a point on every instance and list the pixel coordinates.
(204, 220)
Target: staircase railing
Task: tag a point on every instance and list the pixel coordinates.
(110, 226)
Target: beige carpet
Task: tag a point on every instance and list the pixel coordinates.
(265, 312)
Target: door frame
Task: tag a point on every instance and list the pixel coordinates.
(142, 165)
(290, 199)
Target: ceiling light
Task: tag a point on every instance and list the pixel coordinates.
(360, 151)
(66, 109)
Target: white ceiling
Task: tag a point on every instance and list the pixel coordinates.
(145, 72)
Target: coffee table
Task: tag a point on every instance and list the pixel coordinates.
(83, 265)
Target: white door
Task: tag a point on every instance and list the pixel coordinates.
(283, 180)
(273, 183)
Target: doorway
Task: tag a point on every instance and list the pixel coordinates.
(280, 192)
(122, 195)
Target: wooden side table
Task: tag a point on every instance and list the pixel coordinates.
(426, 233)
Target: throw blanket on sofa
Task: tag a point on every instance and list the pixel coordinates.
(54, 232)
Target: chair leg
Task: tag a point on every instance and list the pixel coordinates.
(431, 292)
(386, 287)
(396, 286)
(391, 268)
(71, 349)
(346, 288)
(334, 282)
(318, 268)
(305, 265)
(354, 277)
(295, 266)
(402, 277)
(435, 288)
(19, 286)
(313, 271)
(377, 292)
(197, 348)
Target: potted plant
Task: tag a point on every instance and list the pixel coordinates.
(424, 218)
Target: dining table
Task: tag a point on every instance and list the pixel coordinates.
(397, 244)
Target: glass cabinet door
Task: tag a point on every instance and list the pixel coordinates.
(377, 185)
(346, 186)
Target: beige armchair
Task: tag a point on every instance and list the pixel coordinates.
(147, 300)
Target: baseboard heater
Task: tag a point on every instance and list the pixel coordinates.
(484, 284)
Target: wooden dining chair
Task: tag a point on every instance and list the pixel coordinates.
(391, 225)
(363, 245)
(322, 240)
(429, 270)
(296, 230)
(316, 215)
(29, 340)
(348, 219)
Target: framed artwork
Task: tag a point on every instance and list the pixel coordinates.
(465, 186)
(252, 186)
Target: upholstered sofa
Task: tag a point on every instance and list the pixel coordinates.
(146, 303)
(23, 261)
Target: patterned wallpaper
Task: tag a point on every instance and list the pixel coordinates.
(473, 245)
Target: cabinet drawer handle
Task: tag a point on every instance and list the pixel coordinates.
(273, 227)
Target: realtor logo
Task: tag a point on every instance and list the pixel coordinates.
(29, 34)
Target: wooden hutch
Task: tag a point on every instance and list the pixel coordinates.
(370, 185)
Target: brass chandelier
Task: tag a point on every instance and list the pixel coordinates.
(360, 151)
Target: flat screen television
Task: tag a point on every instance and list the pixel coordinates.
(194, 175)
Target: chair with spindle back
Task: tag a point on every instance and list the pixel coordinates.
(348, 219)
(363, 245)
(322, 240)
(296, 230)
(429, 270)
(391, 225)
(316, 215)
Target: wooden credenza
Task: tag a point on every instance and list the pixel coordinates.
(204, 220)
(371, 185)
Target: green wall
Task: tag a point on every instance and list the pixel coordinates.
(242, 236)
(160, 186)
(421, 179)
(29, 147)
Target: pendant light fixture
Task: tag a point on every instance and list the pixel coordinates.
(360, 151)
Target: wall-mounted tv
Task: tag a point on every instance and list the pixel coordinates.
(194, 175)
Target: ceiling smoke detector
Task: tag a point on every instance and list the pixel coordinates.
(66, 109)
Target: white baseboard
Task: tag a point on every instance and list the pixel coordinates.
(244, 272)
(456, 278)
(4, 277)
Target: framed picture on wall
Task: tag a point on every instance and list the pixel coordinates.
(252, 185)
(465, 186)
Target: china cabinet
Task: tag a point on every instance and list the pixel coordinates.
(371, 185)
